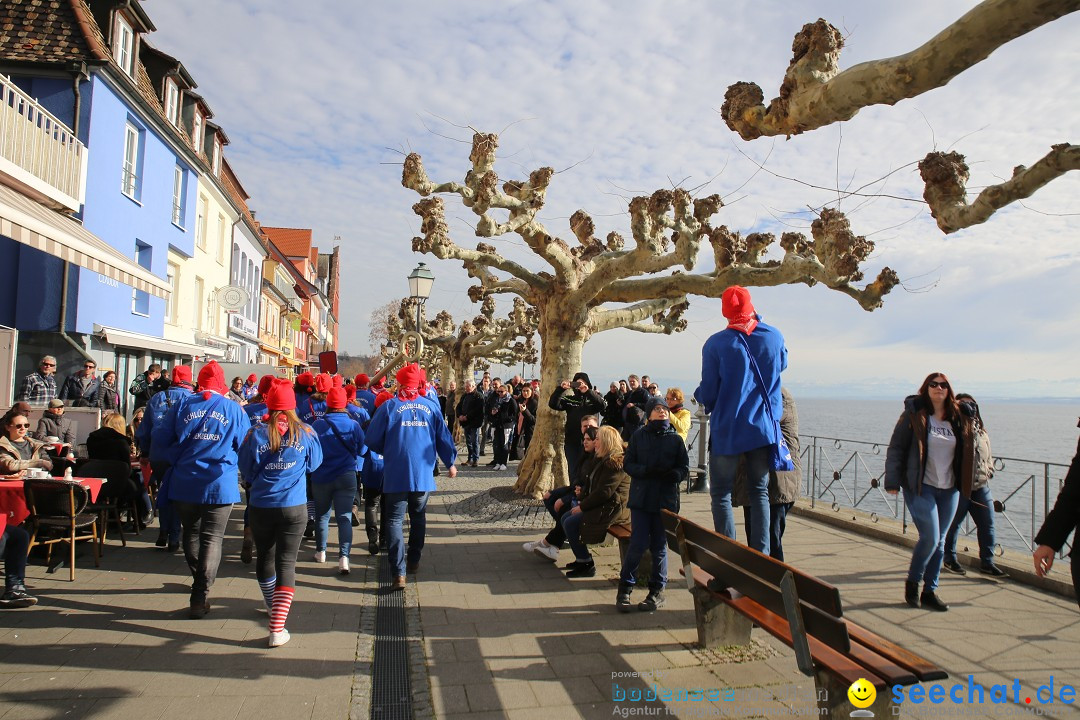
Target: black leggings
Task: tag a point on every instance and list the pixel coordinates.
(277, 533)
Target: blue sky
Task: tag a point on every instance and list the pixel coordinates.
(320, 102)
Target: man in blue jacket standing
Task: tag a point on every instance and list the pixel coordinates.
(735, 400)
(409, 432)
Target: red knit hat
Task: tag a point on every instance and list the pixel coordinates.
(337, 399)
(362, 380)
(410, 377)
(350, 392)
(305, 381)
(280, 396)
(252, 378)
(323, 382)
(380, 384)
(212, 377)
(264, 384)
(181, 374)
(383, 397)
(735, 302)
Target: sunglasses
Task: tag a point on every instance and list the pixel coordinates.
(89, 367)
(48, 364)
(936, 384)
(25, 426)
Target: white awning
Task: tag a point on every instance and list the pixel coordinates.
(126, 338)
(35, 225)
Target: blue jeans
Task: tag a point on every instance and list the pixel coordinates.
(981, 507)
(557, 535)
(722, 469)
(932, 511)
(777, 523)
(646, 533)
(337, 496)
(472, 443)
(571, 523)
(397, 504)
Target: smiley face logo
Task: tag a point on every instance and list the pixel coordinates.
(861, 694)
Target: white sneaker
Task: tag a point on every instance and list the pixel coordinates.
(532, 545)
(343, 566)
(277, 639)
(320, 556)
(548, 552)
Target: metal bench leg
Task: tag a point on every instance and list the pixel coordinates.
(717, 624)
(833, 700)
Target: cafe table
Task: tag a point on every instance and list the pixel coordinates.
(13, 499)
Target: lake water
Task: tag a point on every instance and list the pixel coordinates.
(1032, 443)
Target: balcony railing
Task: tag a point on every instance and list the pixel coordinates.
(38, 151)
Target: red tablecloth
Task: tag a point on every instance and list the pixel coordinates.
(13, 501)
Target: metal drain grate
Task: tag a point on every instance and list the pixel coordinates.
(390, 694)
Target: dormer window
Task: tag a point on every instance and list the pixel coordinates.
(124, 46)
(172, 101)
(197, 131)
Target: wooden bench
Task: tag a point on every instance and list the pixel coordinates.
(621, 533)
(735, 588)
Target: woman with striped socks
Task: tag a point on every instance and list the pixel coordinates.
(275, 458)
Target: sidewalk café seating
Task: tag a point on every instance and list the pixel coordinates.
(118, 473)
(736, 588)
(57, 514)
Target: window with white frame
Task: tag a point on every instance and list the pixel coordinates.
(174, 286)
(223, 235)
(216, 161)
(172, 101)
(129, 183)
(197, 131)
(200, 304)
(178, 195)
(200, 222)
(124, 45)
(140, 299)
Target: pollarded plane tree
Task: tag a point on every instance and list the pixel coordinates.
(815, 94)
(454, 351)
(597, 285)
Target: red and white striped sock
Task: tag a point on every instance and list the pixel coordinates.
(279, 613)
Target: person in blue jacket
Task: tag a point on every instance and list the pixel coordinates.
(276, 458)
(365, 396)
(409, 432)
(739, 424)
(334, 483)
(656, 462)
(156, 408)
(256, 407)
(199, 438)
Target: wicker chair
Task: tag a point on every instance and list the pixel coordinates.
(57, 514)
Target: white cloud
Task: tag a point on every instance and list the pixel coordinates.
(316, 96)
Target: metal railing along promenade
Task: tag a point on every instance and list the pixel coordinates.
(843, 473)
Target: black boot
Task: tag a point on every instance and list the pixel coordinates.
(586, 569)
(622, 600)
(654, 600)
(372, 529)
(931, 601)
(911, 593)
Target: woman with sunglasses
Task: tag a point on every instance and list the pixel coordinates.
(19, 451)
(930, 458)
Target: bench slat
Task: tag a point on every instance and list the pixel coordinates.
(828, 629)
(922, 669)
(811, 590)
(839, 664)
(881, 665)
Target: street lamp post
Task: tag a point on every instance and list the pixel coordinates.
(420, 281)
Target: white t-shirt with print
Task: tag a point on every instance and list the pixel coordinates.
(941, 448)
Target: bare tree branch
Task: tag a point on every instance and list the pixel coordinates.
(815, 94)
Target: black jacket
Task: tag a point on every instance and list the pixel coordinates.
(1065, 517)
(503, 414)
(905, 460)
(471, 406)
(107, 444)
(613, 407)
(528, 414)
(576, 406)
(656, 463)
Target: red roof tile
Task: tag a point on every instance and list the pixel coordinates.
(292, 242)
